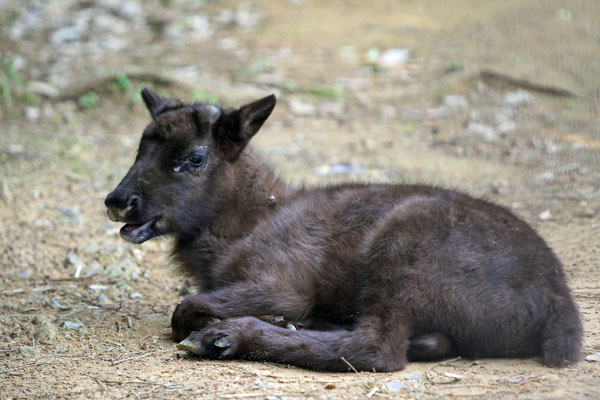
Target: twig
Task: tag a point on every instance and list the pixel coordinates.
(27, 290)
(7, 316)
(97, 379)
(350, 365)
(427, 373)
(492, 77)
(372, 392)
(140, 356)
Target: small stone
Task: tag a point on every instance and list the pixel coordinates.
(72, 214)
(544, 176)
(506, 126)
(32, 113)
(394, 57)
(29, 351)
(98, 287)
(46, 334)
(73, 325)
(412, 377)
(518, 98)
(26, 273)
(56, 304)
(40, 319)
(65, 35)
(594, 357)
(545, 215)
(486, 132)
(43, 89)
(136, 295)
(103, 299)
(394, 385)
(301, 108)
(62, 348)
(455, 101)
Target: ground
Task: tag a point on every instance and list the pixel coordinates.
(499, 99)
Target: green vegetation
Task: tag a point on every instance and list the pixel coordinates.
(88, 100)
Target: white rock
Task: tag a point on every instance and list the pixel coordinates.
(301, 108)
(507, 126)
(486, 132)
(455, 101)
(32, 113)
(518, 98)
(545, 215)
(394, 57)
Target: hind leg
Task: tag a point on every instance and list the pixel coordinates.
(561, 343)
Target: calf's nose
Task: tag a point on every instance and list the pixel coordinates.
(119, 205)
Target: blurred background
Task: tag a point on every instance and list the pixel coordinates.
(496, 98)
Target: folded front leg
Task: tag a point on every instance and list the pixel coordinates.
(371, 346)
(241, 299)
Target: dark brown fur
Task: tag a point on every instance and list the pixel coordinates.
(378, 274)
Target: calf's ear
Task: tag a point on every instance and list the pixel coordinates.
(152, 100)
(238, 126)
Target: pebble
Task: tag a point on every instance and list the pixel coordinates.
(301, 108)
(72, 214)
(26, 273)
(73, 325)
(545, 215)
(125, 269)
(46, 334)
(65, 35)
(98, 287)
(506, 126)
(29, 350)
(518, 98)
(395, 386)
(486, 132)
(594, 357)
(136, 295)
(544, 176)
(394, 57)
(455, 101)
(43, 89)
(32, 113)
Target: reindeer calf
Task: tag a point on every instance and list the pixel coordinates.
(375, 274)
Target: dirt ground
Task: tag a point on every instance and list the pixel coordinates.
(499, 99)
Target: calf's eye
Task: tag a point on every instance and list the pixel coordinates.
(196, 159)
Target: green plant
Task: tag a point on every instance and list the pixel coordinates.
(88, 100)
(10, 80)
(123, 82)
(331, 92)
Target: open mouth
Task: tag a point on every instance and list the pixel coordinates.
(139, 233)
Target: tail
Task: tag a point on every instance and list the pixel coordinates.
(562, 334)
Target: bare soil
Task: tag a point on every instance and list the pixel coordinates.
(84, 314)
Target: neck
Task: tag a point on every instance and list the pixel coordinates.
(253, 192)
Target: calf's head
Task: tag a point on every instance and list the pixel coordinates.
(183, 170)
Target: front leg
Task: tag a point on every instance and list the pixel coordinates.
(373, 345)
(241, 299)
